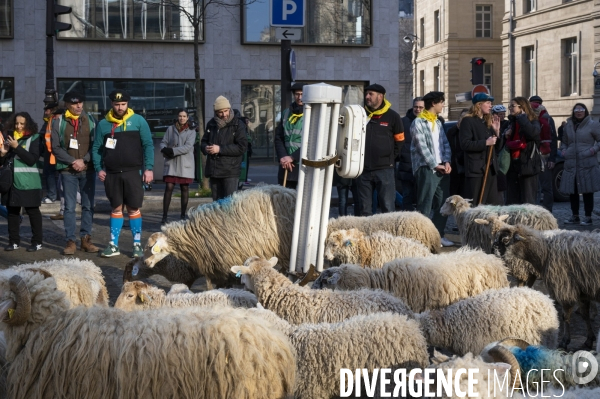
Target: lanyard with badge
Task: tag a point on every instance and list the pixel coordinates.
(111, 142)
(73, 144)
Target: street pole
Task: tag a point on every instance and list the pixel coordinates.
(50, 92)
(286, 78)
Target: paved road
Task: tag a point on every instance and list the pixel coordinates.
(112, 268)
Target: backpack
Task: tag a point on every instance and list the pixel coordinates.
(545, 133)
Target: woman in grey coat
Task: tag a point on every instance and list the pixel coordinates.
(581, 173)
(177, 147)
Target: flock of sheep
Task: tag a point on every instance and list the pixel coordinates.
(391, 301)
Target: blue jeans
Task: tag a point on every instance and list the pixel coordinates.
(384, 182)
(343, 192)
(85, 183)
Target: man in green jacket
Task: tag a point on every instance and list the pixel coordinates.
(122, 147)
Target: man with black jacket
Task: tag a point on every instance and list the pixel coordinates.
(224, 144)
(383, 145)
(405, 172)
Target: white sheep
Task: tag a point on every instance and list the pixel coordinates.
(179, 289)
(470, 324)
(568, 263)
(300, 305)
(426, 283)
(57, 352)
(353, 246)
(479, 236)
(80, 279)
(407, 224)
(138, 295)
(228, 231)
(173, 269)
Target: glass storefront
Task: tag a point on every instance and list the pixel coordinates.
(261, 103)
(151, 20)
(7, 99)
(337, 22)
(6, 18)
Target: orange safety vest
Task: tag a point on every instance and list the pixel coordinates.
(47, 136)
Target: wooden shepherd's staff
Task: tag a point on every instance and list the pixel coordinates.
(487, 169)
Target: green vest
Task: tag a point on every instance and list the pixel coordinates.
(27, 177)
(61, 133)
(292, 132)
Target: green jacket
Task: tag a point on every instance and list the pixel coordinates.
(26, 177)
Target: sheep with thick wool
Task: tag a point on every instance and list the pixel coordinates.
(228, 231)
(299, 305)
(470, 324)
(80, 279)
(477, 235)
(426, 283)
(406, 224)
(138, 295)
(173, 269)
(57, 352)
(568, 263)
(353, 246)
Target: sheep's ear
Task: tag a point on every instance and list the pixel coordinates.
(518, 237)
(333, 280)
(503, 217)
(273, 261)
(468, 200)
(239, 270)
(482, 221)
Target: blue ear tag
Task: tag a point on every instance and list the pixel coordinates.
(238, 274)
(348, 243)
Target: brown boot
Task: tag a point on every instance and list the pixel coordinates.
(70, 248)
(58, 216)
(86, 244)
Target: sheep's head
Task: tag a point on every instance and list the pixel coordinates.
(340, 243)
(455, 204)
(133, 295)
(505, 239)
(326, 279)
(157, 248)
(251, 266)
(15, 297)
(494, 223)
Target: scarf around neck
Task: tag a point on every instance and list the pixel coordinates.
(428, 116)
(69, 115)
(181, 128)
(382, 109)
(221, 123)
(118, 122)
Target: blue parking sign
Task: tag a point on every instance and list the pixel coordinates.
(288, 13)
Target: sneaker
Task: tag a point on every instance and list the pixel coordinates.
(47, 200)
(58, 216)
(138, 252)
(11, 247)
(110, 250)
(573, 220)
(587, 221)
(34, 247)
(446, 242)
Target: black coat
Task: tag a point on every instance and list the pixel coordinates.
(24, 198)
(405, 171)
(473, 134)
(233, 142)
(458, 156)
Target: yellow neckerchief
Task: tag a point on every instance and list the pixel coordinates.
(428, 116)
(380, 111)
(294, 118)
(109, 117)
(47, 119)
(69, 115)
(17, 135)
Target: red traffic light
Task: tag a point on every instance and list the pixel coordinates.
(478, 61)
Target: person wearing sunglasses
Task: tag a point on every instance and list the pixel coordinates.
(581, 173)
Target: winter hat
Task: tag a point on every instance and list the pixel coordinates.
(221, 103)
(375, 87)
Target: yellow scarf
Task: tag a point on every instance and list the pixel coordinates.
(47, 119)
(69, 115)
(294, 117)
(428, 116)
(109, 117)
(17, 135)
(379, 111)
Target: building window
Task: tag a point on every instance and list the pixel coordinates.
(437, 26)
(530, 5)
(483, 21)
(487, 76)
(422, 83)
(570, 72)
(422, 32)
(327, 22)
(151, 20)
(7, 98)
(436, 78)
(6, 18)
(529, 76)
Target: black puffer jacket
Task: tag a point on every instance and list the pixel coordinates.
(233, 143)
(405, 165)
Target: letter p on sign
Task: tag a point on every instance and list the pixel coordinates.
(289, 7)
(287, 13)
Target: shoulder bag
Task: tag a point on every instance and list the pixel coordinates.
(531, 161)
(6, 176)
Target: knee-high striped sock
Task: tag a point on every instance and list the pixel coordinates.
(116, 224)
(135, 224)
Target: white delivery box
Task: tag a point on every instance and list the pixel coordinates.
(351, 141)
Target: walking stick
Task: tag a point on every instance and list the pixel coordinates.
(487, 169)
(285, 177)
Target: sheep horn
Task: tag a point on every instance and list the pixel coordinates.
(518, 342)
(311, 275)
(23, 308)
(128, 272)
(502, 354)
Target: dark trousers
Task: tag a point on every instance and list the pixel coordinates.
(14, 224)
(223, 187)
(408, 195)
(546, 177)
(520, 190)
(457, 183)
(50, 177)
(383, 181)
(432, 191)
(490, 194)
(588, 202)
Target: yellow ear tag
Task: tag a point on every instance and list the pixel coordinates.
(11, 312)
(141, 296)
(155, 249)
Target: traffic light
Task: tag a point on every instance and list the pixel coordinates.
(477, 70)
(53, 10)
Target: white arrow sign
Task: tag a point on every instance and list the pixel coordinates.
(288, 33)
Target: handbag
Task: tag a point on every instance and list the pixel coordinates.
(504, 160)
(6, 176)
(531, 161)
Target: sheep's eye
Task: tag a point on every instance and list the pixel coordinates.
(130, 295)
(506, 240)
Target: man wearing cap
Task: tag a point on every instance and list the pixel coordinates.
(288, 139)
(122, 148)
(224, 143)
(383, 145)
(479, 132)
(72, 139)
(431, 157)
